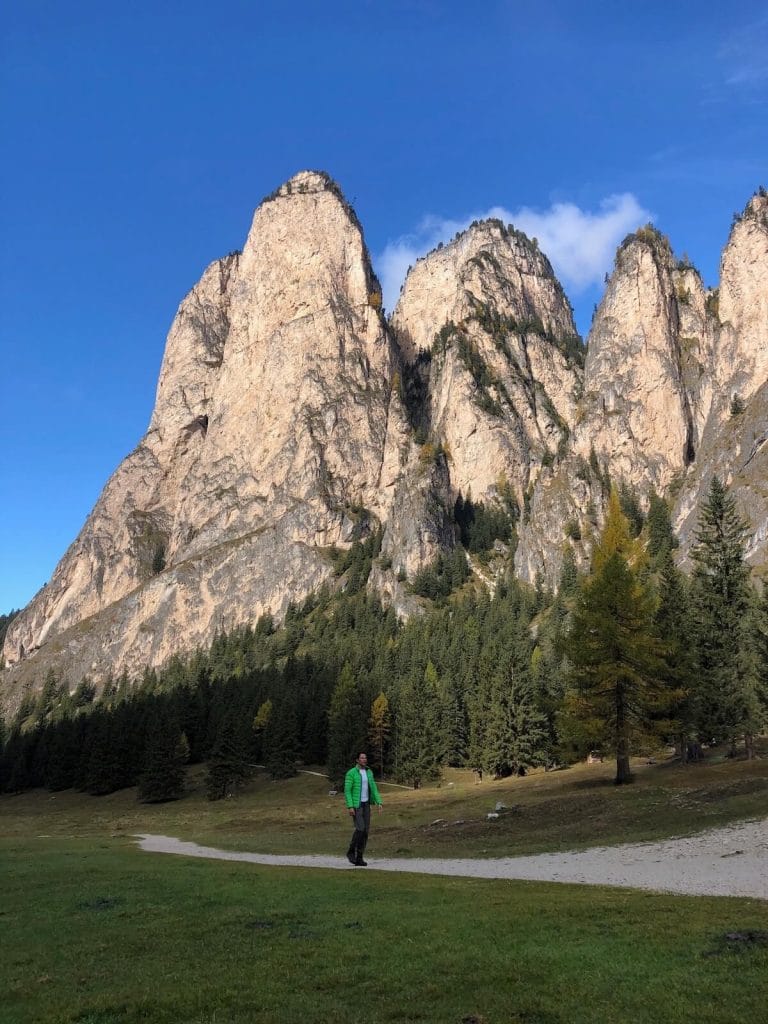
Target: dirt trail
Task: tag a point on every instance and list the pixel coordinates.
(729, 861)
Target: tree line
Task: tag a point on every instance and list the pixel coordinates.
(631, 654)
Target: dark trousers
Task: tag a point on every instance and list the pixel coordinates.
(362, 826)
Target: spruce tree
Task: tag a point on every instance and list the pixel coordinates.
(109, 760)
(60, 769)
(615, 696)
(228, 765)
(280, 739)
(661, 535)
(760, 647)
(347, 723)
(721, 596)
(678, 672)
(165, 758)
(516, 730)
(419, 741)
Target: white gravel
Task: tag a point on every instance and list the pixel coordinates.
(729, 861)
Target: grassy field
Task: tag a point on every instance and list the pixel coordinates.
(547, 811)
(97, 932)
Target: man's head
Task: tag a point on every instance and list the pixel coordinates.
(362, 760)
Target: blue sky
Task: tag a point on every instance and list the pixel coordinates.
(138, 139)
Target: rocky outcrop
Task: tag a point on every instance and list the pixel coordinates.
(672, 394)
(489, 327)
(636, 412)
(265, 446)
(290, 419)
(741, 364)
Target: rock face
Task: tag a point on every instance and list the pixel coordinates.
(290, 418)
(674, 393)
(489, 327)
(265, 445)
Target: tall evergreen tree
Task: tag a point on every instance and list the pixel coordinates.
(165, 759)
(347, 723)
(722, 595)
(516, 730)
(674, 624)
(760, 646)
(661, 534)
(228, 765)
(60, 769)
(419, 739)
(615, 695)
(281, 738)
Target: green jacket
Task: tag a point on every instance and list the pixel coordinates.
(353, 784)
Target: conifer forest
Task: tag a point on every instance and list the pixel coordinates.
(625, 657)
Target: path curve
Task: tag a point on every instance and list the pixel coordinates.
(730, 861)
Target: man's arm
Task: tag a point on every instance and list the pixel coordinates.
(374, 791)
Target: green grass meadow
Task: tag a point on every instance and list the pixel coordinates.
(97, 932)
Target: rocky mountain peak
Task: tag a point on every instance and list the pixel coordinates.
(487, 265)
(292, 421)
(742, 306)
(636, 412)
(265, 444)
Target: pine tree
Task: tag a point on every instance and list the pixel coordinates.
(419, 739)
(722, 595)
(165, 759)
(228, 765)
(674, 625)
(661, 535)
(108, 757)
(379, 725)
(516, 730)
(280, 739)
(630, 506)
(615, 697)
(453, 719)
(60, 769)
(760, 647)
(347, 724)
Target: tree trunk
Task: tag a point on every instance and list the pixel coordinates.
(682, 749)
(749, 745)
(623, 774)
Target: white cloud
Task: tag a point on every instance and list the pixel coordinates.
(580, 243)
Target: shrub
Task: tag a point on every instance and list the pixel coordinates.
(573, 530)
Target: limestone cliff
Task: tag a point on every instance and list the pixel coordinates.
(290, 418)
(486, 323)
(665, 367)
(265, 447)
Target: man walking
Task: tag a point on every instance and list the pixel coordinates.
(359, 791)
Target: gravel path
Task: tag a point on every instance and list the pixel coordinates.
(724, 862)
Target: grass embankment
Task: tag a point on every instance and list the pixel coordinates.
(569, 809)
(97, 932)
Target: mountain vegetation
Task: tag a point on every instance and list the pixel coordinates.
(632, 655)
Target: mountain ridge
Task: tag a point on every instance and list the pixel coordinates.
(291, 418)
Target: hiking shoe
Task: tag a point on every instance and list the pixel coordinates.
(351, 858)
(360, 863)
